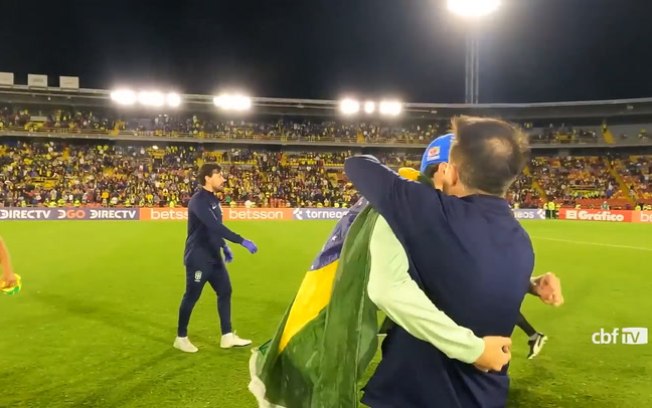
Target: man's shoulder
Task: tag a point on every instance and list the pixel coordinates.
(196, 198)
(197, 195)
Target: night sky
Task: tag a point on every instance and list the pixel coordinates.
(531, 50)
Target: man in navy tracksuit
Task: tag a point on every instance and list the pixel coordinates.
(468, 254)
(203, 259)
(436, 156)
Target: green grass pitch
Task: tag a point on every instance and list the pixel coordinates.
(95, 322)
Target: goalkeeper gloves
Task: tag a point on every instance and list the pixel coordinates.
(251, 247)
(228, 254)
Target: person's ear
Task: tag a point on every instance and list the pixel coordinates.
(453, 174)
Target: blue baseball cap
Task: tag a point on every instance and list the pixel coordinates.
(437, 151)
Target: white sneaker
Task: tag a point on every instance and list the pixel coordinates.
(536, 344)
(232, 340)
(183, 344)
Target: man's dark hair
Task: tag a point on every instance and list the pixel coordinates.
(207, 170)
(489, 153)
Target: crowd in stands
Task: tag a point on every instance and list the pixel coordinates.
(522, 194)
(570, 178)
(56, 173)
(564, 134)
(637, 175)
(207, 125)
(60, 173)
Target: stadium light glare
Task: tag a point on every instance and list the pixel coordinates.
(235, 102)
(124, 97)
(473, 8)
(349, 106)
(390, 108)
(221, 101)
(153, 99)
(173, 99)
(369, 107)
(241, 103)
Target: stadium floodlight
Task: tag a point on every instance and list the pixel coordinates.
(390, 108)
(349, 106)
(231, 102)
(473, 8)
(124, 97)
(369, 107)
(222, 101)
(153, 99)
(173, 100)
(241, 103)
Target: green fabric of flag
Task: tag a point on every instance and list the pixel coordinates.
(328, 335)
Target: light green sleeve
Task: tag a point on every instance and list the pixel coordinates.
(394, 292)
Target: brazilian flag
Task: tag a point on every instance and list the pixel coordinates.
(328, 335)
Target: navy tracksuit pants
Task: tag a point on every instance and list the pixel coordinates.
(196, 277)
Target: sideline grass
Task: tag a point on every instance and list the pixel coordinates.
(96, 320)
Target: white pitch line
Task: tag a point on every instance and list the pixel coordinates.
(594, 243)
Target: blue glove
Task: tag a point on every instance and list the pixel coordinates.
(251, 247)
(228, 255)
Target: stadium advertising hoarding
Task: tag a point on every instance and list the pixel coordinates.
(278, 214)
(124, 214)
(642, 216)
(530, 214)
(228, 214)
(257, 214)
(144, 214)
(596, 215)
(298, 214)
(303, 214)
(163, 214)
(306, 214)
(28, 214)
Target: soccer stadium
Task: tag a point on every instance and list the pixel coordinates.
(97, 190)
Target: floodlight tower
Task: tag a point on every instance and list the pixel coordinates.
(473, 11)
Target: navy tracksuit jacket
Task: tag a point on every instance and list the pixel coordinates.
(473, 260)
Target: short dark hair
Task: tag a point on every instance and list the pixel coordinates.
(431, 170)
(207, 170)
(490, 153)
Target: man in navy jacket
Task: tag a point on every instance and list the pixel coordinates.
(203, 259)
(466, 251)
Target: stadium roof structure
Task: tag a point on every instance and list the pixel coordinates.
(626, 109)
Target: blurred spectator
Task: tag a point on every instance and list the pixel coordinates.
(204, 125)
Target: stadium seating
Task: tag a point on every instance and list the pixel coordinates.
(117, 172)
(57, 173)
(206, 126)
(636, 173)
(572, 178)
(62, 173)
